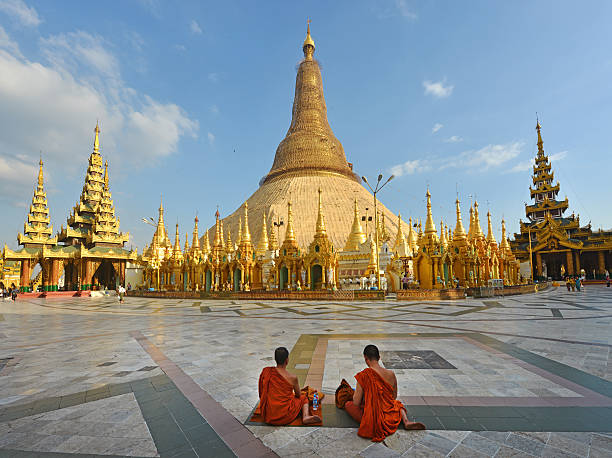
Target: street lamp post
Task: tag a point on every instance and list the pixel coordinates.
(375, 191)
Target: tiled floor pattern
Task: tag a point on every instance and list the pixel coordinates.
(61, 346)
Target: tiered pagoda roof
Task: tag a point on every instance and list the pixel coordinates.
(92, 221)
(37, 229)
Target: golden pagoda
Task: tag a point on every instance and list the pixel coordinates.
(309, 158)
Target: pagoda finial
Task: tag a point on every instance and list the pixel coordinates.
(272, 242)
(430, 227)
(443, 241)
(504, 245)
(357, 236)
(229, 245)
(289, 234)
(490, 236)
(177, 242)
(309, 46)
(40, 173)
(477, 229)
(239, 239)
(106, 175)
(97, 139)
(195, 243)
(320, 218)
(246, 234)
(262, 246)
(459, 230)
(540, 142)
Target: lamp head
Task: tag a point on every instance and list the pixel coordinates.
(364, 179)
(379, 177)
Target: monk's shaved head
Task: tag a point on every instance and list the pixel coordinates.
(281, 355)
(371, 352)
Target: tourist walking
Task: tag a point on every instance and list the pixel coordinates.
(14, 294)
(578, 283)
(568, 283)
(121, 292)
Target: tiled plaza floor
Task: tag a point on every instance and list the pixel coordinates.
(519, 376)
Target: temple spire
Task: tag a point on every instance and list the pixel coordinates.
(477, 229)
(289, 234)
(443, 241)
(320, 218)
(40, 173)
(504, 246)
(310, 146)
(273, 240)
(246, 233)
(195, 243)
(357, 236)
(459, 230)
(412, 237)
(37, 230)
(239, 239)
(96, 148)
(540, 142)
(106, 175)
(430, 227)
(177, 242)
(309, 46)
(490, 236)
(262, 246)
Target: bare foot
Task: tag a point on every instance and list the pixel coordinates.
(311, 419)
(413, 426)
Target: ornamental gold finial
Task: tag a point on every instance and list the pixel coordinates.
(459, 230)
(97, 139)
(309, 46)
(320, 218)
(246, 234)
(430, 227)
(262, 246)
(490, 236)
(477, 229)
(106, 175)
(540, 142)
(40, 172)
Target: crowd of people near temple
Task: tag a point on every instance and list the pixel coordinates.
(576, 282)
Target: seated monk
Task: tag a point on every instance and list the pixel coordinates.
(280, 400)
(374, 405)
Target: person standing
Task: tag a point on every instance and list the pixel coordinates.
(121, 292)
(578, 283)
(14, 294)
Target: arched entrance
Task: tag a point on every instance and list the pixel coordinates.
(237, 276)
(284, 277)
(36, 278)
(105, 275)
(208, 280)
(316, 276)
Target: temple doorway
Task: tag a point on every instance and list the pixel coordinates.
(208, 280)
(284, 277)
(237, 276)
(105, 275)
(553, 262)
(316, 277)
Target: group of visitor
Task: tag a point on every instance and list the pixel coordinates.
(10, 293)
(574, 282)
(373, 403)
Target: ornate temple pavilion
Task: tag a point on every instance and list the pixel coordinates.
(88, 253)
(308, 158)
(559, 244)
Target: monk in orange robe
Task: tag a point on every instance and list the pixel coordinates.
(280, 400)
(374, 404)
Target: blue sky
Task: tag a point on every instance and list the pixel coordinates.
(194, 97)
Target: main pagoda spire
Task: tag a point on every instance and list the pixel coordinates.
(310, 145)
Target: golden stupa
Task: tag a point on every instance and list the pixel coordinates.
(309, 158)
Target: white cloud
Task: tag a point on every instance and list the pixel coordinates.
(53, 106)
(454, 139)
(22, 13)
(410, 168)
(213, 77)
(404, 10)
(437, 126)
(527, 165)
(8, 44)
(181, 48)
(80, 52)
(437, 88)
(557, 156)
(15, 170)
(195, 27)
(211, 138)
(490, 156)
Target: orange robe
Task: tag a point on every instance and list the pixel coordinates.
(381, 411)
(277, 402)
